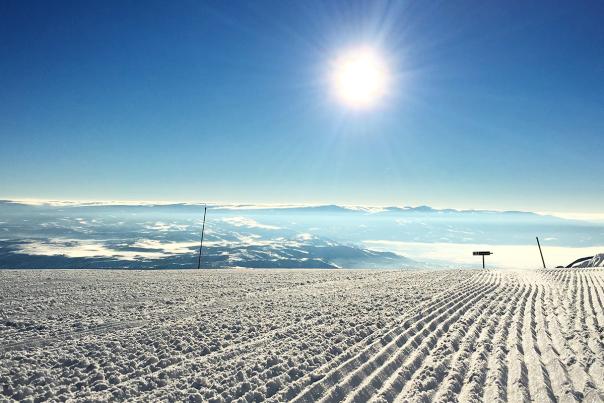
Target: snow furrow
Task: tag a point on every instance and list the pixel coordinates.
(498, 371)
(517, 385)
(558, 377)
(386, 345)
(441, 379)
(303, 335)
(396, 368)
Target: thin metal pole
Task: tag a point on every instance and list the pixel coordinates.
(203, 227)
(483, 261)
(539, 245)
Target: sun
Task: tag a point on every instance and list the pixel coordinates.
(359, 77)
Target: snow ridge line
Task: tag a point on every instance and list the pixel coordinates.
(598, 307)
(475, 370)
(498, 371)
(315, 390)
(373, 359)
(558, 378)
(404, 365)
(561, 347)
(225, 353)
(591, 334)
(286, 393)
(539, 383)
(440, 375)
(568, 328)
(517, 385)
(357, 348)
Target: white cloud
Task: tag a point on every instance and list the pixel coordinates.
(247, 222)
(594, 217)
(165, 227)
(75, 248)
(168, 248)
(305, 236)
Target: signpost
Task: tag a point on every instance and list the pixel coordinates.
(483, 254)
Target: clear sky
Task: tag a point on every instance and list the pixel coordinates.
(490, 104)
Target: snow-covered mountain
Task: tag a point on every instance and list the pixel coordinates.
(60, 234)
(168, 236)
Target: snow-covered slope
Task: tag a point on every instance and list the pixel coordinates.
(302, 336)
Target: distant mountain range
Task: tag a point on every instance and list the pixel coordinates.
(270, 209)
(148, 235)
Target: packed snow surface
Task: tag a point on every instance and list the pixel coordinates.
(303, 335)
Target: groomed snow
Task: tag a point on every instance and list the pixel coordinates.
(302, 335)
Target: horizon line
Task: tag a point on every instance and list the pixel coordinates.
(567, 215)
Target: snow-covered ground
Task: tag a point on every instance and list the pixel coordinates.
(303, 335)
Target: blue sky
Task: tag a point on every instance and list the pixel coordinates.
(493, 105)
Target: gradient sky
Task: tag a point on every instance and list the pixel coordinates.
(494, 105)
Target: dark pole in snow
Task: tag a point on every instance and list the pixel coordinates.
(483, 261)
(540, 252)
(203, 227)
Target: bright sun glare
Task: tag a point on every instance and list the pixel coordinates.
(359, 77)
